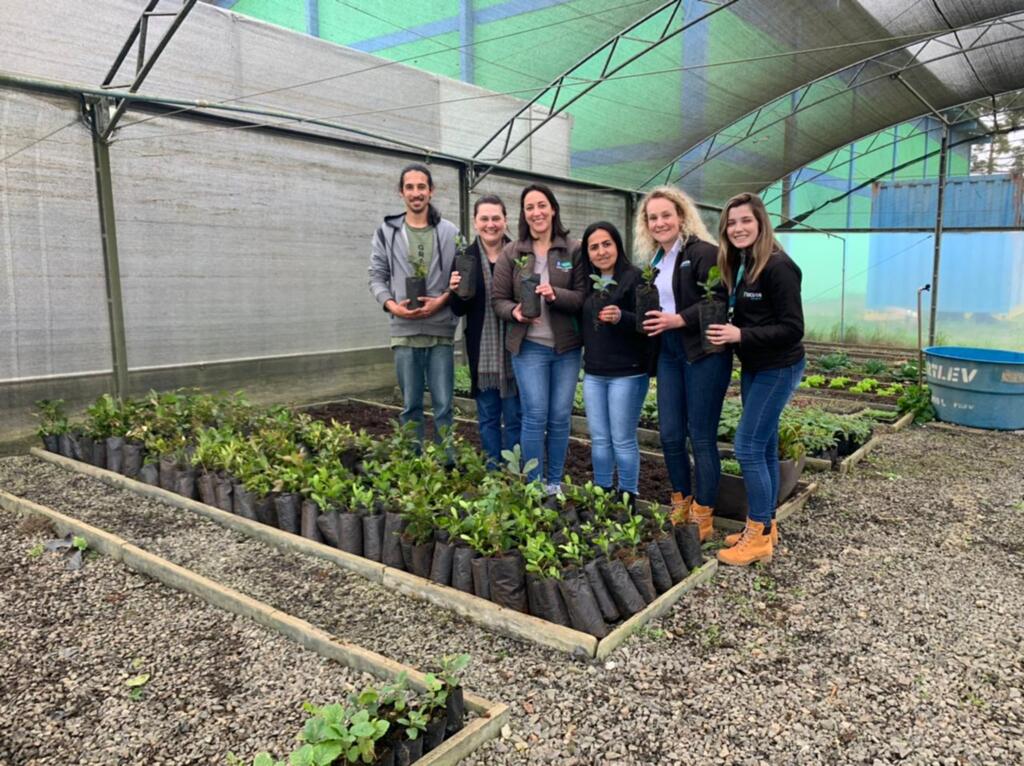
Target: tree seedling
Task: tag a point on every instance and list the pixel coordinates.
(711, 283)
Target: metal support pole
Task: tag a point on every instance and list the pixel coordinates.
(842, 296)
(631, 200)
(313, 18)
(99, 111)
(467, 35)
(465, 208)
(920, 353)
(943, 162)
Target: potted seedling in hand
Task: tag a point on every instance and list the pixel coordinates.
(647, 298)
(416, 282)
(466, 265)
(602, 294)
(711, 310)
(529, 300)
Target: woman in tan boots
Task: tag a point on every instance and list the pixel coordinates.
(691, 382)
(766, 328)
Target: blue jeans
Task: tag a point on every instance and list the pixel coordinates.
(547, 385)
(417, 368)
(613, 413)
(673, 420)
(765, 395)
(491, 410)
(707, 381)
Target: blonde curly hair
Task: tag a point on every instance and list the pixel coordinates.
(690, 220)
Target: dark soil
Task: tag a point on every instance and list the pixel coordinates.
(654, 483)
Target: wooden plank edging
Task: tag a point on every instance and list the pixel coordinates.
(491, 716)
(657, 608)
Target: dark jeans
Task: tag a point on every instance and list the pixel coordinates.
(765, 395)
(706, 382)
(491, 410)
(673, 420)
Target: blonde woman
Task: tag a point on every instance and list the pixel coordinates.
(691, 382)
(766, 327)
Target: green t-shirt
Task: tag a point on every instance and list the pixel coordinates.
(421, 246)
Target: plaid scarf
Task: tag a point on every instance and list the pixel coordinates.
(495, 366)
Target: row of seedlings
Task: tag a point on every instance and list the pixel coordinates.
(584, 559)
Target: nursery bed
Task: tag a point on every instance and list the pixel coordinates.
(137, 671)
(493, 617)
(858, 636)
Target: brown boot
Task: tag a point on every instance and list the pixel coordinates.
(701, 516)
(755, 544)
(680, 508)
(732, 539)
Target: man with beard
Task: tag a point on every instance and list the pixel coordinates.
(422, 337)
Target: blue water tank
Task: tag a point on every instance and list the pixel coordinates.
(978, 387)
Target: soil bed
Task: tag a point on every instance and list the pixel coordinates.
(72, 640)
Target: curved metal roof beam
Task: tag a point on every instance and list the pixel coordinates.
(750, 133)
(606, 50)
(801, 90)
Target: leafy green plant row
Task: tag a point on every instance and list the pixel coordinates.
(379, 724)
(428, 499)
(839, 361)
(843, 383)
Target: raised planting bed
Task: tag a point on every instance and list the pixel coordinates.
(475, 609)
(170, 663)
(434, 512)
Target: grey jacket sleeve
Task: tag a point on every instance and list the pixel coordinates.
(380, 268)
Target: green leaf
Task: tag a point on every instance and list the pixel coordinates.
(79, 542)
(302, 757)
(135, 681)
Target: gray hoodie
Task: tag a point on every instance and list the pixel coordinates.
(389, 266)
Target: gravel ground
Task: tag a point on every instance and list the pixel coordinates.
(71, 641)
(887, 629)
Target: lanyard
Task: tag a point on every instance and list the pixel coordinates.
(657, 257)
(735, 289)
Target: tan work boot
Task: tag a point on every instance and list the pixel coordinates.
(701, 516)
(680, 508)
(732, 539)
(755, 544)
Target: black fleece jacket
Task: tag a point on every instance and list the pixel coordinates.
(615, 350)
(474, 310)
(770, 316)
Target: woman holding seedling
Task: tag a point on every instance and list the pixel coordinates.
(692, 380)
(493, 383)
(766, 326)
(615, 359)
(538, 288)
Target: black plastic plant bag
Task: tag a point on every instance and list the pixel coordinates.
(677, 569)
(115, 456)
(462, 568)
(287, 506)
(309, 512)
(350, 532)
(508, 581)
(441, 564)
(132, 454)
(373, 536)
(639, 570)
(394, 524)
(609, 610)
(620, 585)
(328, 523)
(206, 484)
(659, 572)
(244, 503)
(584, 613)
(688, 540)
(223, 488)
(482, 576)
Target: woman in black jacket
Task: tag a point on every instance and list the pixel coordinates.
(766, 327)
(490, 364)
(615, 359)
(691, 382)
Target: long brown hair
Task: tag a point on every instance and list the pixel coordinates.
(690, 222)
(763, 247)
